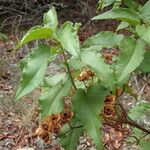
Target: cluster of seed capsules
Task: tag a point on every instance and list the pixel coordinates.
(110, 103)
(52, 124)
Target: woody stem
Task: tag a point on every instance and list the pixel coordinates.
(68, 69)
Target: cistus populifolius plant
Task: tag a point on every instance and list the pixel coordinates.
(84, 96)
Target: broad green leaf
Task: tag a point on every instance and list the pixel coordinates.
(123, 14)
(70, 140)
(52, 51)
(53, 80)
(145, 12)
(104, 3)
(145, 145)
(47, 97)
(96, 63)
(76, 63)
(145, 65)
(51, 100)
(64, 130)
(37, 32)
(137, 111)
(125, 56)
(102, 40)
(130, 58)
(50, 18)
(79, 84)
(122, 25)
(67, 36)
(24, 62)
(87, 107)
(144, 32)
(33, 70)
(131, 4)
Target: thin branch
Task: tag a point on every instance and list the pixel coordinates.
(137, 140)
(143, 79)
(126, 119)
(68, 69)
(65, 59)
(71, 128)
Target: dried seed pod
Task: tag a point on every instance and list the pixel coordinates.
(47, 127)
(46, 123)
(109, 111)
(56, 128)
(85, 75)
(119, 91)
(55, 118)
(110, 99)
(45, 135)
(66, 116)
(53, 123)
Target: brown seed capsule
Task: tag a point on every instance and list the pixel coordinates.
(109, 110)
(119, 91)
(41, 133)
(66, 116)
(85, 75)
(110, 99)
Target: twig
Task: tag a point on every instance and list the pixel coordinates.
(14, 10)
(68, 68)
(137, 140)
(75, 127)
(143, 79)
(71, 128)
(65, 59)
(126, 119)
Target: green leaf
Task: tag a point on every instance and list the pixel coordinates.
(37, 32)
(33, 70)
(104, 3)
(52, 50)
(67, 36)
(87, 107)
(96, 62)
(50, 18)
(145, 65)
(122, 25)
(50, 81)
(144, 32)
(131, 4)
(51, 100)
(130, 58)
(79, 84)
(145, 145)
(76, 63)
(137, 111)
(123, 14)
(24, 61)
(70, 140)
(145, 14)
(102, 40)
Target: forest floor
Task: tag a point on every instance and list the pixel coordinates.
(19, 120)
